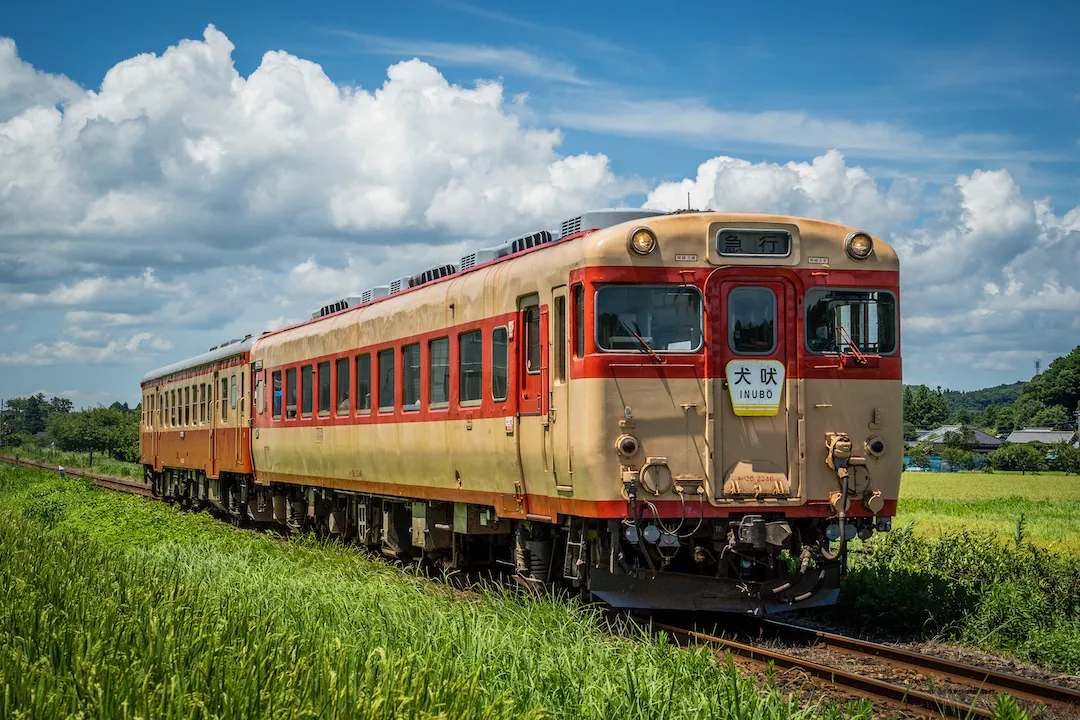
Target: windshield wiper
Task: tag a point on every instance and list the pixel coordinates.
(648, 349)
(855, 352)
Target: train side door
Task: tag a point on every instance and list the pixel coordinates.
(533, 400)
(558, 428)
(156, 421)
(753, 341)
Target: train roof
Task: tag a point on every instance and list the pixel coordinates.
(228, 349)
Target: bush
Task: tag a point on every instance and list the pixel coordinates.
(973, 588)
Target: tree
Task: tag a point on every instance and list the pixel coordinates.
(1054, 416)
(963, 416)
(1066, 458)
(76, 432)
(958, 458)
(1022, 456)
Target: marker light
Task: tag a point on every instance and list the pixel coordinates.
(859, 245)
(627, 445)
(642, 241)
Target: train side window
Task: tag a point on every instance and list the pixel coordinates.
(187, 406)
(260, 392)
(306, 391)
(470, 366)
(559, 339)
(290, 394)
(532, 341)
(341, 397)
(577, 293)
(209, 402)
(499, 365)
(439, 373)
(225, 398)
(275, 404)
(386, 380)
(324, 389)
(232, 398)
(752, 320)
(172, 408)
(410, 377)
(363, 384)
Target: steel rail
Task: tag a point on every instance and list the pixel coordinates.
(1015, 685)
(110, 482)
(841, 678)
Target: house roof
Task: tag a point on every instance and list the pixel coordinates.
(981, 439)
(1040, 434)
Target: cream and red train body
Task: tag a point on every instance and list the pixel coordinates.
(574, 409)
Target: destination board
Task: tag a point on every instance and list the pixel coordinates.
(750, 241)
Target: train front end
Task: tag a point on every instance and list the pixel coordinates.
(751, 385)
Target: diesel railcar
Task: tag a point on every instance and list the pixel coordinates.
(695, 410)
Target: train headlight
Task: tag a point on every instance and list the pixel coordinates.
(642, 241)
(859, 245)
(627, 446)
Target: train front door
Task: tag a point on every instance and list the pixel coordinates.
(215, 407)
(755, 436)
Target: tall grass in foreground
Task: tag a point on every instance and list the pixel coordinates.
(114, 607)
(972, 587)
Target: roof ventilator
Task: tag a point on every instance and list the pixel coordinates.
(529, 241)
(338, 306)
(434, 273)
(379, 291)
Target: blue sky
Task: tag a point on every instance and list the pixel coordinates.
(144, 195)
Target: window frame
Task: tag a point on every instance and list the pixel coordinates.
(731, 328)
(225, 398)
(577, 312)
(290, 385)
(432, 403)
(462, 400)
(526, 336)
(392, 384)
(323, 412)
(596, 319)
(277, 402)
(806, 312)
(506, 366)
(338, 363)
(307, 394)
(406, 379)
(559, 317)
(370, 394)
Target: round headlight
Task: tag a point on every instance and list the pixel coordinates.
(642, 241)
(859, 245)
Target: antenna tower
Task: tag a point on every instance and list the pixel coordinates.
(1038, 365)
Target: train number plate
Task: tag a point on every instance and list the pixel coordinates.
(755, 386)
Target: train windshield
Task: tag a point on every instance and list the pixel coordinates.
(636, 318)
(845, 321)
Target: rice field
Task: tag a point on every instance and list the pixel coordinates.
(941, 503)
(115, 607)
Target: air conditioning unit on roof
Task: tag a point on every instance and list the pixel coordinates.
(599, 219)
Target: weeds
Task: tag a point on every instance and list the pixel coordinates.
(972, 587)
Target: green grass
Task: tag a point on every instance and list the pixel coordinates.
(1016, 598)
(102, 463)
(114, 606)
(992, 503)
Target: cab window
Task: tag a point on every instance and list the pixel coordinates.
(641, 318)
(843, 321)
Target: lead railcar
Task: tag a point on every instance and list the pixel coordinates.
(693, 410)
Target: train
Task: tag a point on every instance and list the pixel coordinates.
(693, 411)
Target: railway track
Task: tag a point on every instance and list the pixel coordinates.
(974, 684)
(1063, 702)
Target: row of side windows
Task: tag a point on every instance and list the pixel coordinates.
(351, 388)
(192, 405)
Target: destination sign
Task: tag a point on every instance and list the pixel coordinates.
(755, 386)
(749, 241)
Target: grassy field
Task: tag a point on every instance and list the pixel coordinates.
(118, 607)
(102, 463)
(939, 503)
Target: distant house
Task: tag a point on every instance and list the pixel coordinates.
(1043, 435)
(981, 443)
